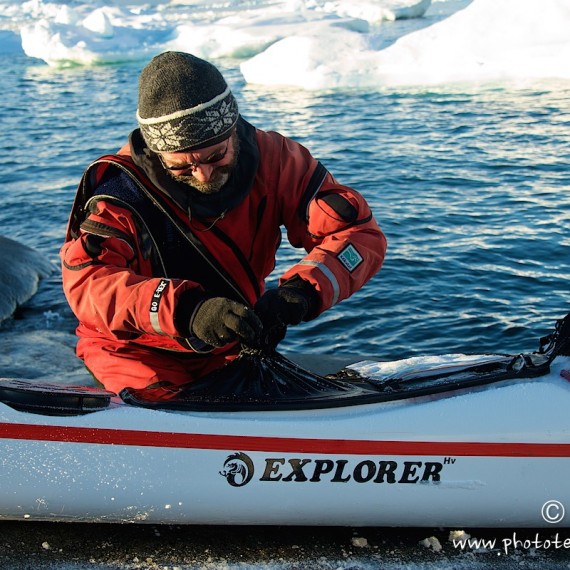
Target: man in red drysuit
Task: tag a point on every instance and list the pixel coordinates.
(170, 239)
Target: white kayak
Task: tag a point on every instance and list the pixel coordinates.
(480, 454)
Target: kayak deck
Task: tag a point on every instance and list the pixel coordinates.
(264, 382)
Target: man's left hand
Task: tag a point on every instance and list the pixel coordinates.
(282, 306)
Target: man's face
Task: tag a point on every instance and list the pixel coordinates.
(207, 169)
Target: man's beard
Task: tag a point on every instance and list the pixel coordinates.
(220, 174)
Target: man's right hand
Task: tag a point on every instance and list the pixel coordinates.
(219, 321)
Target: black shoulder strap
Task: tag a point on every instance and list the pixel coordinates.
(142, 197)
(314, 185)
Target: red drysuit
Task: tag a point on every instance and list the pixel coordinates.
(124, 278)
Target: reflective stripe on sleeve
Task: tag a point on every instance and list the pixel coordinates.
(328, 274)
(155, 304)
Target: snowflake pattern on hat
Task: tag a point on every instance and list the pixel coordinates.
(222, 117)
(162, 137)
(193, 129)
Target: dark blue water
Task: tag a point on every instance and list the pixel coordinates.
(470, 184)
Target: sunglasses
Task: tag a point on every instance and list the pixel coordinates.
(213, 159)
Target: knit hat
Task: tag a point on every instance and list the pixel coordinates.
(184, 104)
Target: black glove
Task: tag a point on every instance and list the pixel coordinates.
(282, 306)
(219, 321)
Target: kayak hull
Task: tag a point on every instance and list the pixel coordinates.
(498, 456)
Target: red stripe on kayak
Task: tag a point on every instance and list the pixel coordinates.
(278, 444)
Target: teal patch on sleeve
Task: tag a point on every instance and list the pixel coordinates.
(350, 257)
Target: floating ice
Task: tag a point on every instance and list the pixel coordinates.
(309, 44)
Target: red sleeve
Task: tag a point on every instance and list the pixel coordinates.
(108, 283)
(332, 222)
